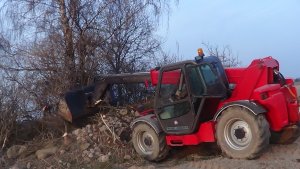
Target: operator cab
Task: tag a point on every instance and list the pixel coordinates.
(188, 93)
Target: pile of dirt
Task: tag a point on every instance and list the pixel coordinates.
(105, 142)
(108, 138)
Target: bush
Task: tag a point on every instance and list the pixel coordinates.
(8, 125)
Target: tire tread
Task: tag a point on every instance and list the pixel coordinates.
(263, 133)
(163, 147)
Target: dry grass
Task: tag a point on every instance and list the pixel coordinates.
(7, 128)
(35, 135)
(46, 128)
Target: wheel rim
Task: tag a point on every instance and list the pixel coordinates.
(145, 142)
(237, 134)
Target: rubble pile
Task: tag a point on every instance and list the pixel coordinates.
(108, 136)
(106, 140)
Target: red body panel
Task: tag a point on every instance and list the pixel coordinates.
(204, 134)
(257, 79)
(277, 114)
(254, 83)
(171, 77)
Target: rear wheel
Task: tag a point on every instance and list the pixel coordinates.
(148, 143)
(240, 134)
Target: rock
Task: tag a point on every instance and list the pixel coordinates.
(123, 112)
(103, 128)
(151, 167)
(15, 166)
(90, 155)
(83, 131)
(28, 166)
(103, 158)
(83, 140)
(133, 167)
(95, 127)
(92, 150)
(86, 159)
(144, 167)
(44, 153)
(98, 154)
(97, 149)
(85, 146)
(62, 152)
(88, 126)
(15, 151)
(95, 138)
(76, 132)
(85, 152)
(68, 165)
(127, 157)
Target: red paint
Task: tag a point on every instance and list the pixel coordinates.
(170, 77)
(204, 134)
(146, 84)
(254, 83)
(154, 74)
(146, 112)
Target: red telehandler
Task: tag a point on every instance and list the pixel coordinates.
(242, 109)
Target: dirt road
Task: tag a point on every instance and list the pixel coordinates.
(276, 157)
(203, 157)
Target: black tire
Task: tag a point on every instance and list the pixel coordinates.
(148, 143)
(241, 134)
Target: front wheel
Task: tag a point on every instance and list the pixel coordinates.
(148, 143)
(241, 134)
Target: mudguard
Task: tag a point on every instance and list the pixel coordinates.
(251, 106)
(148, 119)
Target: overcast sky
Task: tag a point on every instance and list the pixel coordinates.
(252, 28)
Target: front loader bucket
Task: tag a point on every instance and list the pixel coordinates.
(77, 102)
(81, 102)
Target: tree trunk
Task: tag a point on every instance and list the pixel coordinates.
(69, 59)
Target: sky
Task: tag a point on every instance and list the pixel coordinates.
(252, 28)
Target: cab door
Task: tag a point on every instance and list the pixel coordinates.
(182, 93)
(173, 106)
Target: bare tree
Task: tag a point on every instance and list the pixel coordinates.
(169, 57)
(62, 44)
(11, 109)
(224, 53)
(131, 29)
